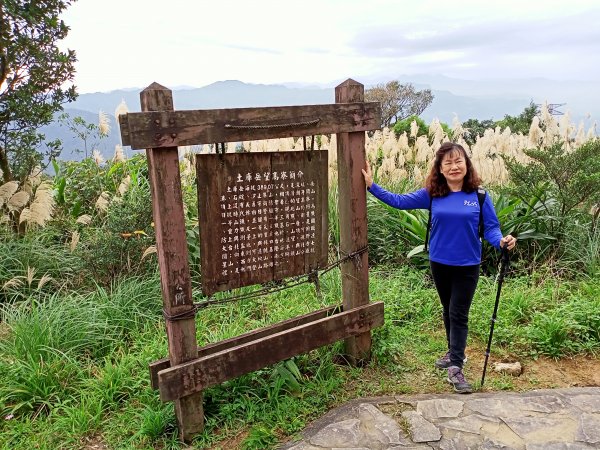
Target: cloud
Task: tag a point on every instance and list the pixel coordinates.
(577, 32)
(551, 47)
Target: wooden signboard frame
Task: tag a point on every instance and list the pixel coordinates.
(190, 369)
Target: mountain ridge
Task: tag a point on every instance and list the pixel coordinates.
(465, 99)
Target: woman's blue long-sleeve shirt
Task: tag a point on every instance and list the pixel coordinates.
(454, 236)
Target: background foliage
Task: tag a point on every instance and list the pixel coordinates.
(80, 300)
(35, 81)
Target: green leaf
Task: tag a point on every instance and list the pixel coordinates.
(415, 251)
(60, 191)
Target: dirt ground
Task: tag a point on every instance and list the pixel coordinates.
(546, 373)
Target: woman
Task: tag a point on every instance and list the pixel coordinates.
(455, 247)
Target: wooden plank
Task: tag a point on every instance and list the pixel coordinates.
(262, 216)
(352, 207)
(193, 127)
(253, 335)
(194, 376)
(171, 242)
(124, 128)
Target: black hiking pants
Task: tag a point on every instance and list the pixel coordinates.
(456, 287)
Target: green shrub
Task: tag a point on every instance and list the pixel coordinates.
(403, 126)
(116, 248)
(563, 180)
(78, 184)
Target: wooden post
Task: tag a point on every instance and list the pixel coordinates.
(169, 222)
(352, 205)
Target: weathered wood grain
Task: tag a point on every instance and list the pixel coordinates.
(194, 376)
(352, 207)
(168, 128)
(169, 222)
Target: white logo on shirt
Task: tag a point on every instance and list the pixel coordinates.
(468, 203)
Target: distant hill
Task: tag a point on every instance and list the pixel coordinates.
(463, 98)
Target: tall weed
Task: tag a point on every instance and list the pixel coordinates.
(35, 264)
(48, 341)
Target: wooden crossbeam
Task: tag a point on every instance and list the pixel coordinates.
(194, 376)
(253, 335)
(193, 127)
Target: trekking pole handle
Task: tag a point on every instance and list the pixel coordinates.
(504, 252)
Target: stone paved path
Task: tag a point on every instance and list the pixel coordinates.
(553, 419)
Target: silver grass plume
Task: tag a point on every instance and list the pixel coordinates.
(97, 157)
(45, 279)
(124, 186)
(102, 202)
(42, 206)
(119, 154)
(121, 109)
(18, 201)
(149, 251)
(103, 124)
(414, 129)
(7, 190)
(30, 275)
(84, 219)
(14, 282)
(74, 240)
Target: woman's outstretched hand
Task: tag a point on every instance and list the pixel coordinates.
(508, 240)
(368, 174)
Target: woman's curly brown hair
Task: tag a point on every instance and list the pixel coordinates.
(436, 183)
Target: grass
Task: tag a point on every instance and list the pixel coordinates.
(73, 368)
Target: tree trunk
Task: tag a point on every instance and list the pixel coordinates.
(6, 173)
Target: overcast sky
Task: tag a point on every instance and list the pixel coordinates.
(131, 43)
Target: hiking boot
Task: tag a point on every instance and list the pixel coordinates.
(444, 361)
(457, 380)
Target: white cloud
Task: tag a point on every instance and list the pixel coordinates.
(132, 43)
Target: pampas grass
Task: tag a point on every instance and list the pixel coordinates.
(103, 202)
(7, 190)
(27, 280)
(97, 157)
(84, 219)
(121, 109)
(18, 201)
(408, 155)
(119, 155)
(74, 240)
(124, 186)
(41, 208)
(103, 124)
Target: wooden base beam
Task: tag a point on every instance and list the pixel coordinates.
(253, 335)
(194, 376)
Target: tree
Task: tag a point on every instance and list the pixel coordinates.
(522, 122)
(404, 126)
(476, 128)
(88, 133)
(34, 78)
(398, 101)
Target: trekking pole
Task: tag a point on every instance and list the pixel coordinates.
(503, 267)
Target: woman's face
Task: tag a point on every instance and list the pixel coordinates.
(454, 166)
